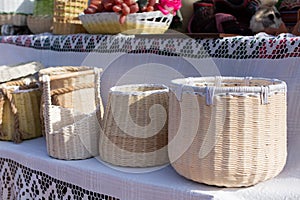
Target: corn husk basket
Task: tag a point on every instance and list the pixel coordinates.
(71, 99)
(20, 111)
(135, 126)
(65, 17)
(231, 130)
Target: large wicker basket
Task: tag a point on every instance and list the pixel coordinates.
(135, 126)
(20, 110)
(108, 23)
(231, 130)
(70, 98)
(65, 19)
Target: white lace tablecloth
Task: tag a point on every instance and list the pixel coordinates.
(129, 59)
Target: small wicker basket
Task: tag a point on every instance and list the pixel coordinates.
(231, 130)
(71, 97)
(135, 126)
(65, 19)
(42, 19)
(40, 24)
(108, 23)
(20, 111)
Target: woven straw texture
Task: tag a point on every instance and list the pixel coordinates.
(40, 24)
(231, 130)
(65, 17)
(20, 111)
(70, 98)
(108, 23)
(13, 19)
(135, 126)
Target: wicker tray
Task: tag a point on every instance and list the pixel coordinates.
(108, 23)
(71, 96)
(20, 110)
(231, 130)
(65, 17)
(135, 126)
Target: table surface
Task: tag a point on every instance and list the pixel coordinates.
(135, 183)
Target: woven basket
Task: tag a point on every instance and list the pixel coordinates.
(65, 19)
(40, 24)
(108, 23)
(135, 126)
(231, 130)
(42, 19)
(70, 96)
(20, 111)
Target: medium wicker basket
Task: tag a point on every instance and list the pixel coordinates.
(135, 126)
(231, 130)
(20, 111)
(65, 19)
(108, 23)
(71, 97)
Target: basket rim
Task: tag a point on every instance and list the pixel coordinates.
(188, 84)
(119, 89)
(66, 72)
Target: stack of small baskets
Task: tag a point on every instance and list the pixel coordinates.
(20, 102)
(71, 99)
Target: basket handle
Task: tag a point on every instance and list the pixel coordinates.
(47, 102)
(98, 99)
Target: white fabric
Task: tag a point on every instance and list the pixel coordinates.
(121, 68)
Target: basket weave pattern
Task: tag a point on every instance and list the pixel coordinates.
(70, 118)
(19, 111)
(108, 23)
(235, 141)
(135, 132)
(65, 18)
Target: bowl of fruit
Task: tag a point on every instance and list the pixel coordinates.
(129, 16)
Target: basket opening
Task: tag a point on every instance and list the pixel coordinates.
(238, 83)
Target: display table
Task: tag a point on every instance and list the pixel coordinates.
(27, 170)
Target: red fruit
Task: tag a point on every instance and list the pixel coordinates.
(122, 19)
(89, 10)
(129, 2)
(151, 2)
(118, 2)
(125, 9)
(150, 8)
(117, 8)
(100, 8)
(134, 8)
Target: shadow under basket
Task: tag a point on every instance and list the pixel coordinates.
(71, 97)
(20, 111)
(135, 126)
(232, 130)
